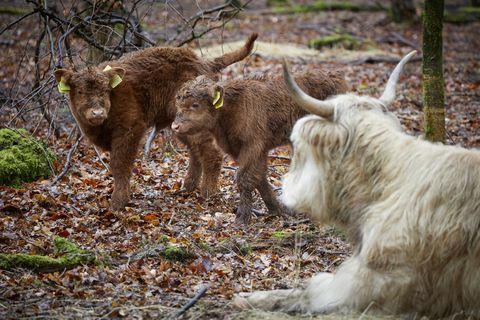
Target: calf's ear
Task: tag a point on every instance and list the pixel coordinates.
(63, 78)
(217, 96)
(115, 74)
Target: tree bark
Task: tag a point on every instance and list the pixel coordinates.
(402, 10)
(433, 82)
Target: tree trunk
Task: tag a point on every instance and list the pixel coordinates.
(402, 10)
(433, 83)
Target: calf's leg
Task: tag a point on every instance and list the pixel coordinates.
(266, 192)
(124, 150)
(248, 176)
(212, 159)
(194, 172)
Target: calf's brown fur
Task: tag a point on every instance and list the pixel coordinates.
(257, 115)
(115, 119)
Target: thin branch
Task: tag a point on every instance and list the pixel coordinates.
(192, 302)
(18, 20)
(69, 159)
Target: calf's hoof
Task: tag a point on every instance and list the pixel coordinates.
(207, 192)
(281, 211)
(119, 200)
(190, 184)
(243, 216)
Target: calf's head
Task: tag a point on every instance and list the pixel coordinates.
(197, 103)
(341, 128)
(89, 91)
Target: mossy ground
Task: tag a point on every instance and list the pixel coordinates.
(177, 254)
(344, 40)
(69, 256)
(462, 15)
(22, 158)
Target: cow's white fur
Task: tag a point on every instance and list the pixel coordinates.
(410, 207)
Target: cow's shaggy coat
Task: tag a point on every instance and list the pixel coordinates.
(251, 117)
(115, 119)
(410, 207)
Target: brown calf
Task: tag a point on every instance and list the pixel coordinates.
(248, 118)
(115, 105)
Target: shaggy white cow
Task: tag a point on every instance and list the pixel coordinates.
(410, 207)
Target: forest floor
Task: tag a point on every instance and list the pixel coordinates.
(134, 279)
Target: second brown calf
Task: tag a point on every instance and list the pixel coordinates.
(248, 118)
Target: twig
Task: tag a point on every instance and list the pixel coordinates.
(148, 143)
(192, 302)
(69, 160)
(294, 223)
(18, 20)
(100, 157)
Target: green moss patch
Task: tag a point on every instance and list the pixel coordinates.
(177, 254)
(13, 10)
(22, 158)
(343, 40)
(278, 235)
(463, 15)
(69, 256)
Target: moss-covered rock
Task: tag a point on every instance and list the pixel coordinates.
(22, 157)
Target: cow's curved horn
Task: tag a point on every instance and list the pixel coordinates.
(388, 95)
(310, 104)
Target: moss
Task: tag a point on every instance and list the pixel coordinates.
(278, 234)
(344, 40)
(274, 3)
(178, 254)
(164, 239)
(246, 249)
(462, 15)
(71, 256)
(14, 10)
(205, 246)
(22, 158)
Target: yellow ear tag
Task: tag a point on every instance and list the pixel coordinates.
(63, 87)
(217, 100)
(115, 81)
(216, 97)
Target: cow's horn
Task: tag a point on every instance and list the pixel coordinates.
(310, 104)
(388, 95)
